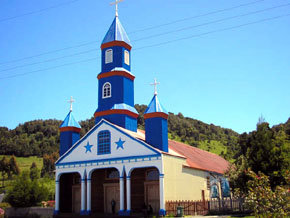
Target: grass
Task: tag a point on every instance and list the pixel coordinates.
(23, 163)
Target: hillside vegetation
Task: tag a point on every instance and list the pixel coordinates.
(40, 137)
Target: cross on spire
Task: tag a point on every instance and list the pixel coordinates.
(155, 86)
(71, 102)
(116, 6)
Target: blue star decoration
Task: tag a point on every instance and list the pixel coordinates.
(88, 147)
(120, 144)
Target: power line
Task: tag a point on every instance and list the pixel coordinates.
(212, 22)
(198, 16)
(37, 11)
(49, 60)
(152, 36)
(50, 68)
(214, 31)
(157, 26)
(158, 44)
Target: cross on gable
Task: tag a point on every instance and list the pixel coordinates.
(116, 5)
(155, 86)
(71, 102)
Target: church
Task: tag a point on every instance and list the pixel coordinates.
(117, 168)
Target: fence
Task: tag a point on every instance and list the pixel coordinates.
(205, 207)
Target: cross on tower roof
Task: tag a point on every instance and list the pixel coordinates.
(71, 102)
(116, 5)
(155, 86)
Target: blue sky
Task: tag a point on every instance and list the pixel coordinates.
(232, 67)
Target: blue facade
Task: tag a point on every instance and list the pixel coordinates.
(121, 95)
(118, 59)
(122, 120)
(156, 132)
(67, 139)
(122, 91)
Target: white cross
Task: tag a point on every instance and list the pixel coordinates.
(155, 86)
(71, 102)
(116, 5)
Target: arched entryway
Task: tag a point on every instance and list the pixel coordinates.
(145, 190)
(70, 193)
(105, 188)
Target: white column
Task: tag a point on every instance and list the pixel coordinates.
(56, 210)
(89, 185)
(161, 191)
(122, 194)
(83, 199)
(128, 187)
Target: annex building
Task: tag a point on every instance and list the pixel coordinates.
(115, 166)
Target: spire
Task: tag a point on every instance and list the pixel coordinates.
(155, 106)
(69, 120)
(116, 32)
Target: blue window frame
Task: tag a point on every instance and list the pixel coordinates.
(104, 142)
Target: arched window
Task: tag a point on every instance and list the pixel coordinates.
(152, 175)
(104, 142)
(126, 57)
(109, 56)
(107, 90)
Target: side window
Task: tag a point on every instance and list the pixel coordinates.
(104, 142)
(108, 56)
(127, 57)
(107, 91)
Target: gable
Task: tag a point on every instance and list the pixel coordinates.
(122, 146)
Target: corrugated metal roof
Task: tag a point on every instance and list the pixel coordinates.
(155, 106)
(70, 121)
(116, 32)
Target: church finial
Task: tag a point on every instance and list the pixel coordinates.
(116, 6)
(155, 86)
(71, 102)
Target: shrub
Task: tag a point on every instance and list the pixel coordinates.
(4, 205)
(26, 193)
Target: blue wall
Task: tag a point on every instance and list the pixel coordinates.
(122, 120)
(122, 91)
(67, 139)
(118, 59)
(156, 133)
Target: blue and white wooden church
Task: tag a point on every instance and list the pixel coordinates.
(116, 162)
(96, 169)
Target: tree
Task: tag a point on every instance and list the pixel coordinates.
(25, 192)
(4, 167)
(48, 164)
(34, 173)
(14, 169)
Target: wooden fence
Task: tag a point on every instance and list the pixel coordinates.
(205, 207)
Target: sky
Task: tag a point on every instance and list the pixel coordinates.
(222, 62)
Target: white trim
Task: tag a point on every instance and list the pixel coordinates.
(108, 56)
(103, 90)
(127, 57)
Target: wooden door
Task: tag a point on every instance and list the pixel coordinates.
(152, 195)
(76, 199)
(111, 191)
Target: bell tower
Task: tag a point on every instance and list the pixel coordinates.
(115, 81)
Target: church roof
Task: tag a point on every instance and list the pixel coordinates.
(124, 106)
(155, 106)
(70, 121)
(195, 158)
(116, 32)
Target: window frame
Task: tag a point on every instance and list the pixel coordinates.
(109, 56)
(103, 90)
(104, 143)
(127, 57)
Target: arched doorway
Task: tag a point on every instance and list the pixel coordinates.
(145, 190)
(105, 188)
(70, 193)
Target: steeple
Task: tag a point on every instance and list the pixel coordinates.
(156, 128)
(69, 131)
(116, 82)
